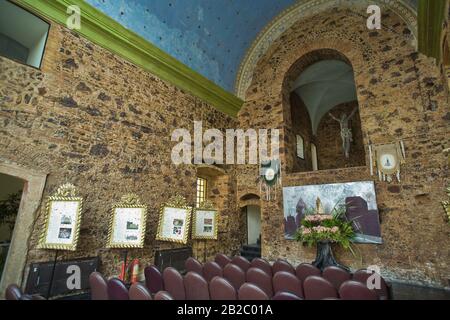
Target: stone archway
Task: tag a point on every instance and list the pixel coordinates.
(302, 10)
(31, 200)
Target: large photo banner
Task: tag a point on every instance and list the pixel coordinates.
(359, 199)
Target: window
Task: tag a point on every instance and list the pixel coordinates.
(22, 34)
(201, 191)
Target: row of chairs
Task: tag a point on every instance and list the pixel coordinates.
(259, 286)
(190, 287)
(277, 281)
(115, 289)
(14, 293)
(237, 276)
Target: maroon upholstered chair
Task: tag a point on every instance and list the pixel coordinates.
(241, 262)
(222, 260)
(212, 269)
(336, 276)
(318, 288)
(139, 292)
(195, 286)
(305, 270)
(13, 292)
(235, 275)
(286, 282)
(99, 287)
(153, 279)
(286, 296)
(117, 290)
(282, 265)
(249, 291)
(260, 279)
(262, 264)
(173, 283)
(193, 265)
(221, 289)
(355, 290)
(363, 275)
(163, 295)
(29, 297)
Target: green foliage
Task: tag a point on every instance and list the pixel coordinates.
(9, 208)
(333, 227)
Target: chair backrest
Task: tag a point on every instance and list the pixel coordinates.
(336, 276)
(32, 297)
(192, 264)
(222, 289)
(241, 262)
(13, 292)
(363, 275)
(173, 283)
(163, 295)
(287, 282)
(212, 269)
(195, 286)
(285, 296)
(117, 290)
(355, 290)
(222, 260)
(99, 287)
(260, 279)
(262, 264)
(282, 265)
(235, 275)
(139, 292)
(249, 291)
(318, 288)
(153, 279)
(305, 270)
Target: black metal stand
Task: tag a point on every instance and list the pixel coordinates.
(325, 258)
(52, 276)
(204, 251)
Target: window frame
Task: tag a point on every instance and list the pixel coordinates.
(48, 22)
(198, 195)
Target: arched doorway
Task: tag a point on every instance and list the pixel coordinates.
(250, 226)
(253, 224)
(32, 183)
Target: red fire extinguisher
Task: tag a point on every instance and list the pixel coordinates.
(134, 271)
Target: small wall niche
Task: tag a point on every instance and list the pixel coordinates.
(22, 35)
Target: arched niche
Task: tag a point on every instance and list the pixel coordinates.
(321, 112)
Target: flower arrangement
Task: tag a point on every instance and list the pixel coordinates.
(332, 227)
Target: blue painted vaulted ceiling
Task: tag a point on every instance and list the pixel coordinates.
(210, 36)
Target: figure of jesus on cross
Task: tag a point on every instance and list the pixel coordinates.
(346, 132)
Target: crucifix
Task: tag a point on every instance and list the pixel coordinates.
(346, 132)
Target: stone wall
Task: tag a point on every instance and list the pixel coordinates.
(401, 96)
(301, 125)
(330, 153)
(92, 119)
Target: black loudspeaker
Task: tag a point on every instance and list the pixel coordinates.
(40, 275)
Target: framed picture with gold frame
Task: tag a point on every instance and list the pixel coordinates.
(127, 223)
(205, 222)
(174, 221)
(62, 220)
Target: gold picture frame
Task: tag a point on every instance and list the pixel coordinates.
(174, 220)
(202, 230)
(127, 231)
(62, 220)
